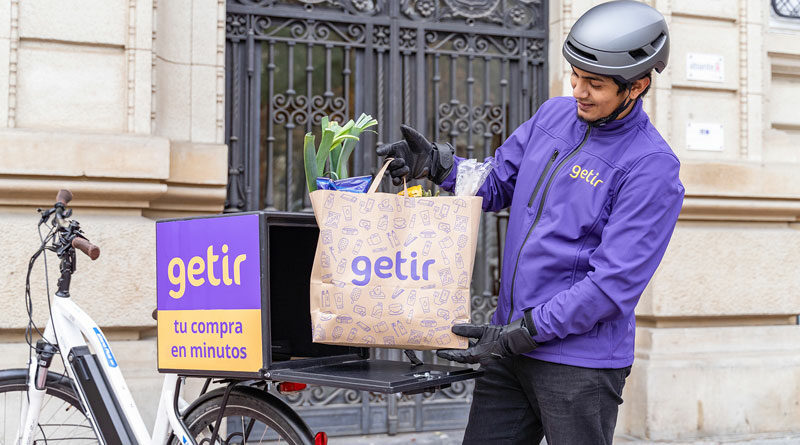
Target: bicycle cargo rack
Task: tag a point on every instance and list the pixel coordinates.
(207, 282)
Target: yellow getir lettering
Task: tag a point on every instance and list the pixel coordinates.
(226, 275)
(196, 267)
(179, 280)
(210, 260)
(237, 277)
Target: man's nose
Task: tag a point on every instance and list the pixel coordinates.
(579, 91)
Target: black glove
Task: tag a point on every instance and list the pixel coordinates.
(494, 342)
(417, 157)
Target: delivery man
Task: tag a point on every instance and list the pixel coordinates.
(594, 195)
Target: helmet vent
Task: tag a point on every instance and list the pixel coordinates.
(581, 53)
(658, 41)
(638, 54)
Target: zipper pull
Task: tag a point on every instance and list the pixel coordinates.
(555, 155)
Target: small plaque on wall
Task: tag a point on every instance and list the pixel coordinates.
(705, 67)
(704, 136)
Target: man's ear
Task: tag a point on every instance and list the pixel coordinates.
(638, 86)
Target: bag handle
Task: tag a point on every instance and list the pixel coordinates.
(379, 176)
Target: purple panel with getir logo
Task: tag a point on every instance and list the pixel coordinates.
(208, 263)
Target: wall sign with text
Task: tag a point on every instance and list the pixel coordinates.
(705, 67)
(704, 136)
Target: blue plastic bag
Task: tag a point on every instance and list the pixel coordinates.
(356, 184)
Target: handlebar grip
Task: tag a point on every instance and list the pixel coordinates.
(86, 247)
(64, 196)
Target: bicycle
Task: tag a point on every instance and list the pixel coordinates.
(91, 403)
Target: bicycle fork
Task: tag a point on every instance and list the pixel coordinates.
(37, 376)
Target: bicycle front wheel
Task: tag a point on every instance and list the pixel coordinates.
(251, 416)
(61, 418)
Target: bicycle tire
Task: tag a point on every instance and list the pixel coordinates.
(61, 410)
(249, 410)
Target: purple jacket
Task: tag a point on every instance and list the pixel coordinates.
(592, 212)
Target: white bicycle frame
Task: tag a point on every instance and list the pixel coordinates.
(68, 328)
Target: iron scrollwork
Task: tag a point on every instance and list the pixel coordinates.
(486, 119)
(322, 395)
(300, 30)
(380, 36)
(236, 25)
(354, 7)
(474, 44)
(517, 14)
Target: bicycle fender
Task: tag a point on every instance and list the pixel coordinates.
(280, 405)
(53, 378)
(268, 398)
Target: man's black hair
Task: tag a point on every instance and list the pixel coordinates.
(622, 86)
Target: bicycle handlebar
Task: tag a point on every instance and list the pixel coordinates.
(64, 196)
(86, 247)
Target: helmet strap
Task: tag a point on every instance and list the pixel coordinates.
(614, 114)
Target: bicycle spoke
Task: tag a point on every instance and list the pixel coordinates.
(56, 411)
(73, 430)
(261, 439)
(60, 421)
(45, 404)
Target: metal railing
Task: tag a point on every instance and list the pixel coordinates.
(787, 8)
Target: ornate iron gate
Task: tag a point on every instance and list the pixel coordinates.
(464, 71)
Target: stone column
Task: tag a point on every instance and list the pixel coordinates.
(122, 102)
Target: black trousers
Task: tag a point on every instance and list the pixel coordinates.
(519, 400)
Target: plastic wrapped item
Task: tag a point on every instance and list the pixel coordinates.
(356, 184)
(413, 192)
(470, 176)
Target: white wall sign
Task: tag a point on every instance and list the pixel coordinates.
(705, 67)
(707, 137)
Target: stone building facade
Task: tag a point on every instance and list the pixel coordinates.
(122, 101)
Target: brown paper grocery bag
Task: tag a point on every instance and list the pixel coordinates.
(392, 271)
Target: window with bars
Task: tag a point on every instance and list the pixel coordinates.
(787, 8)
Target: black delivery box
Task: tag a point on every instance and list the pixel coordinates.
(233, 301)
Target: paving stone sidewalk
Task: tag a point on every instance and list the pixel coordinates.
(454, 438)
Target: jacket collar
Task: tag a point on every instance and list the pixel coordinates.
(630, 121)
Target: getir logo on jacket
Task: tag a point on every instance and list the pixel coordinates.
(589, 176)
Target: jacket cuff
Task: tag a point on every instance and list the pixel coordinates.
(536, 317)
(529, 322)
(449, 182)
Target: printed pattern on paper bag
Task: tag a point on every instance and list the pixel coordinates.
(392, 271)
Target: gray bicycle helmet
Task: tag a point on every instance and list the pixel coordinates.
(621, 39)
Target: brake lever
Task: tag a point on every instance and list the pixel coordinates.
(45, 215)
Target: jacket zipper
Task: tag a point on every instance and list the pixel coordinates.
(541, 206)
(541, 178)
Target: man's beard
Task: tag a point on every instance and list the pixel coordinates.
(599, 122)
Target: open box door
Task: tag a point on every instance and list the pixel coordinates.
(383, 376)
